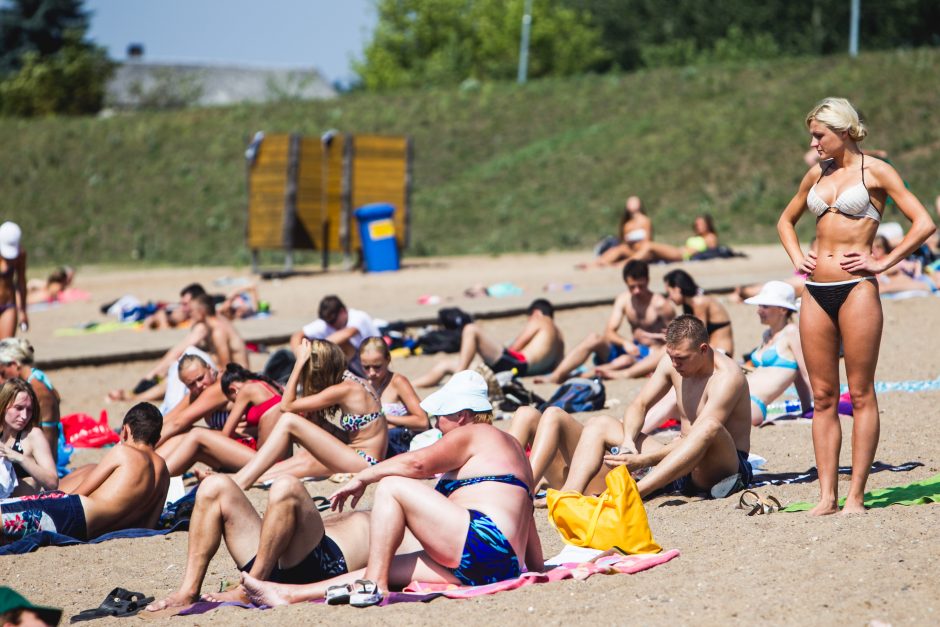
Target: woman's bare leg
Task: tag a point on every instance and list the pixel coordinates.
(558, 434)
(656, 251)
(301, 464)
(861, 337)
(437, 372)
(266, 425)
(593, 343)
(331, 454)
(209, 447)
(662, 411)
(820, 339)
(524, 424)
(8, 323)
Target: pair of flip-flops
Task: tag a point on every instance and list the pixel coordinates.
(755, 504)
(118, 603)
(362, 593)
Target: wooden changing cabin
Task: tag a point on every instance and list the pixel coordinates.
(302, 191)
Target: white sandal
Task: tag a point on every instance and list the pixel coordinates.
(367, 594)
(338, 595)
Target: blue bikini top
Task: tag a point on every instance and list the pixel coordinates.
(770, 358)
(449, 486)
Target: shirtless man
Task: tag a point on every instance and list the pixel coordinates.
(536, 350)
(125, 490)
(291, 544)
(648, 315)
(710, 454)
(211, 333)
(162, 319)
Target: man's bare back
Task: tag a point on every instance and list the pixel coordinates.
(546, 347)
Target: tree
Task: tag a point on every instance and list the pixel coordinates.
(46, 66)
(39, 26)
(439, 42)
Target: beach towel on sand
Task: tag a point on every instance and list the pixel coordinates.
(808, 476)
(916, 493)
(424, 592)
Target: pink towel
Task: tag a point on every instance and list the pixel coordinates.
(608, 565)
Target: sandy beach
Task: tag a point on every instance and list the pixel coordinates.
(733, 569)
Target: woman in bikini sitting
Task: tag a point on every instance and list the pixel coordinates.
(475, 526)
(24, 450)
(846, 191)
(400, 402)
(636, 229)
(685, 292)
(328, 387)
(228, 444)
(204, 399)
(906, 276)
(778, 361)
(12, 280)
(705, 238)
(16, 360)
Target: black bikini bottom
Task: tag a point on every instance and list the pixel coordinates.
(830, 296)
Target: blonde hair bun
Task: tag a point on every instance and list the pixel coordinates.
(839, 115)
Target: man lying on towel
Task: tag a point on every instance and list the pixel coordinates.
(126, 490)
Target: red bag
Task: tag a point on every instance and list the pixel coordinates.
(83, 431)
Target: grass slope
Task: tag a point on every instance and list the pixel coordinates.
(498, 168)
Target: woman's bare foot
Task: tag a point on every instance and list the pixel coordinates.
(177, 599)
(265, 592)
(825, 508)
(235, 593)
(202, 473)
(118, 395)
(853, 506)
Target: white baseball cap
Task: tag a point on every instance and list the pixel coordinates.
(10, 234)
(775, 294)
(465, 390)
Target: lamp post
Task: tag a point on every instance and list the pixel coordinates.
(854, 18)
(524, 42)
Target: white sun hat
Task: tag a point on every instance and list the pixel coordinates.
(10, 235)
(775, 294)
(465, 390)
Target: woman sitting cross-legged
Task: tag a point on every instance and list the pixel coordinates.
(231, 439)
(475, 526)
(328, 388)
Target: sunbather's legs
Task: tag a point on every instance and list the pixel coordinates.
(266, 425)
(558, 434)
(437, 372)
(861, 319)
(707, 452)
(641, 368)
(330, 454)
(819, 337)
(593, 343)
(598, 435)
(207, 446)
(221, 509)
(656, 251)
(662, 411)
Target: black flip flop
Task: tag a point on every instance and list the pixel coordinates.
(118, 603)
(321, 503)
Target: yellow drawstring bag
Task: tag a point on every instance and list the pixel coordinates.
(616, 518)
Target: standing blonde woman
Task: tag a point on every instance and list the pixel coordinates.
(846, 191)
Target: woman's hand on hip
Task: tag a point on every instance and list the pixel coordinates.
(808, 264)
(856, 262)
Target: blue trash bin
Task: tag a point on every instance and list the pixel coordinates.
(377, 233)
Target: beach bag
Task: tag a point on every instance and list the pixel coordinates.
(615, 519)
(83, 431)
(454, 318)
(576, 395)
(441, 341)
(516, 395)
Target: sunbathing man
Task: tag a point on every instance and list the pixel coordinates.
(619, 357)
(475, 525)
(347, 328)
(170, 318)
(536, 350)
(711, 451)
(211, 333)
(291, 544)
(125, 490)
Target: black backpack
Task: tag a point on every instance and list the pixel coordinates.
(515, 395)
(441, 341)
(576, 395)
(454, 318)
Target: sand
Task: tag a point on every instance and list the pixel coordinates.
(780, 569)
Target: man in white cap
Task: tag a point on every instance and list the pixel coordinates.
(12, 280)
(475, 525)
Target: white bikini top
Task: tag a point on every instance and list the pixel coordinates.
(854, 202)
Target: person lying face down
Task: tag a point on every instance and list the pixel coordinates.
(475, 526)
(126, 489)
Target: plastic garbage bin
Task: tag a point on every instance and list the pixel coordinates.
(377, 233)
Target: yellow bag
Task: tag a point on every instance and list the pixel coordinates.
(616, 518)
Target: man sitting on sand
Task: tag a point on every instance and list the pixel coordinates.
(536, 350)
(347, 328)
(710, 454)
(291, 544)
(211, 333)
(126, 489)
(619, 357)
(173, 316)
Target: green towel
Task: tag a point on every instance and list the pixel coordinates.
(917, 493)
(96, 327)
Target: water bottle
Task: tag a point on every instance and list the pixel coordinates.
(792, 406)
